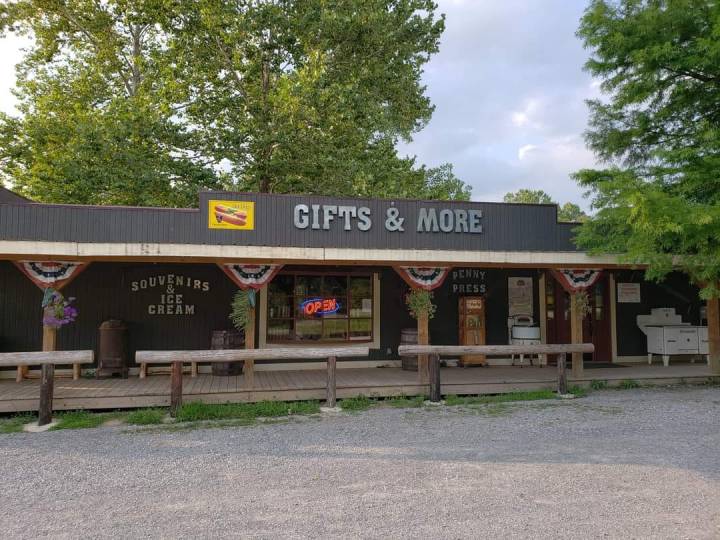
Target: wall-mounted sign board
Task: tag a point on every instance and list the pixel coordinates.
(520, 296)
(628, 293)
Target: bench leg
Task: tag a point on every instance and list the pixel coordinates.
(143, 370)
(249, 372)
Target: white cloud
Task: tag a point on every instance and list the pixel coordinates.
(523, 151)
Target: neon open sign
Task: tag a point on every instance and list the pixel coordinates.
(320, 306)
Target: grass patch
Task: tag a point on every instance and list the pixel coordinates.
(628, 384)
(453, 400)
(578, 391)
(145, 417)
(598, 385)
(15, 424)
(79, 420)
(404, 402)
(195, 411)
(359, 403)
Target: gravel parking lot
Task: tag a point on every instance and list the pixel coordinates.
(617, 464)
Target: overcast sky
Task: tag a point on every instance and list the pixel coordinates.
(509, 91)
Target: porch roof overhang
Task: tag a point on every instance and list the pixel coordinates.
(199, 253)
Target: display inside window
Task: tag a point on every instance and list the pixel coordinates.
(331, 308)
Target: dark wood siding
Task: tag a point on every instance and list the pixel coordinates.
(674, 292)
(444, 326)
(102, 292)
(506, 227)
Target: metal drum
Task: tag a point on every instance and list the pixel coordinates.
(409, 336)
(227, 339)
(112, 349)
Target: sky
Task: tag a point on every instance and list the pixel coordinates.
(509, 92)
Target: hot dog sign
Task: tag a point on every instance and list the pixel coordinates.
(237, 215)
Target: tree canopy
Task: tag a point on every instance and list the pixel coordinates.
(145, 102)
(658, 131)
(566, 212)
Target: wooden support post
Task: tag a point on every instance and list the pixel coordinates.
(143, 370)
(423, 339)
(249, 367)
(434, 375)
(46, 394)
(561, 374)
(713, 321)
(331, 384)
(176, 384)
(193, 369)
(576, 335)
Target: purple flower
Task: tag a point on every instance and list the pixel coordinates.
(58, 311)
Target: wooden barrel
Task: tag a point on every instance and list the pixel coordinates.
(409, 336)
(227, 339)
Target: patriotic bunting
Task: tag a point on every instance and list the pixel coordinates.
(575, 280)
(51, 274)
(251, 276)
(424, 278)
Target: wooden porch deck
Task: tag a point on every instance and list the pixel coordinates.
(310, 384)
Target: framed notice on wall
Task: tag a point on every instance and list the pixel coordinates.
(628, 293)
(520, 296)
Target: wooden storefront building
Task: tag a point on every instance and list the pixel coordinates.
(340, 269)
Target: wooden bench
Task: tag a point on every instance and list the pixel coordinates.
(435, 351)
(301, 354)
(48, 360)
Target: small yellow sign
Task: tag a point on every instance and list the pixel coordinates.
(237, 215)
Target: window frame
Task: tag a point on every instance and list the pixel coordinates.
(347, 275)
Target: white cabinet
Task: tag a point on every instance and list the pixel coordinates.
(703, 347)
(675, 339)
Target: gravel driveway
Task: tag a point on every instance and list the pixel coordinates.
(617, 464)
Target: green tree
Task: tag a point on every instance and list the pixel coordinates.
(528, 196)
(658, 200)
(146, 102)
(308, 96)
(571, 212)
(658, 130)
(567, 212)
(92, 127)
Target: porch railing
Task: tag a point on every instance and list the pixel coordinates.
(435, 351)
(300, 354)
(47, 360)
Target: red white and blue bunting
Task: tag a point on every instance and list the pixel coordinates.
(51, 274)
(422, 277)
(575, 280)
(251, 276)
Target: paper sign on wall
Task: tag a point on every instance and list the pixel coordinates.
(628, 293)
(520, 296)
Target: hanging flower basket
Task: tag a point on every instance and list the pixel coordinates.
(58, 310)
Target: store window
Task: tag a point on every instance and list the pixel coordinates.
(325, 308)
